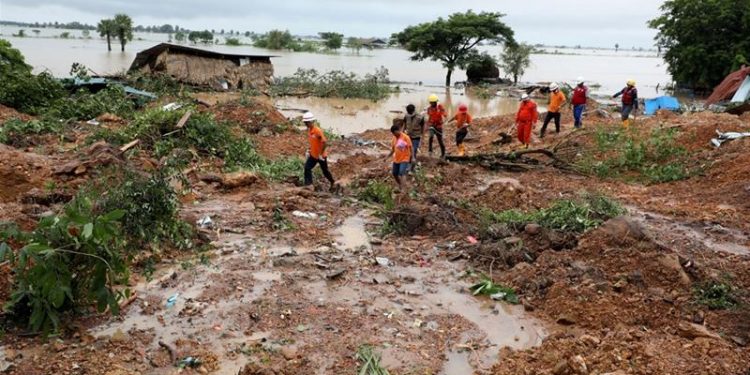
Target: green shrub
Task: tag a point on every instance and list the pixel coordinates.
(334, 84)
(715, 295)
(379, 193)
(84, 105)
(70, 261)
(157, 83)
(587, 212)
(16, 132)
(150, 210)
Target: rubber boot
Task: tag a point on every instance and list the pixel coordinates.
(461, 150)
(626, 123)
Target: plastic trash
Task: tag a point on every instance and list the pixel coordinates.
(172, 300)
(305, 215)
(499, 296)
(724, 137)
(472, 240)
(189, 362)
(92, 122)
(385, 262)
(171, 106)
(205, 222)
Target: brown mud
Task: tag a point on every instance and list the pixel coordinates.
(302, 299)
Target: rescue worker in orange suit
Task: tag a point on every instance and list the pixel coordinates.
(318, 153)
(526, 118)
(556, 101)
(463, 121)
(436, 115)
(629, 101)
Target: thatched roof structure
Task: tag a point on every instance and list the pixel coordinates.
(200, 67)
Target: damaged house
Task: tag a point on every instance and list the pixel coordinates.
(218, 70)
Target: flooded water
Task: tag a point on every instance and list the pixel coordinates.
(609, 69)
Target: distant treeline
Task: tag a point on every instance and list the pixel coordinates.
(165, 28)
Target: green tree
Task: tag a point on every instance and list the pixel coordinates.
(106, 28)
(275, 40)
(454, 41)
(617, 47)
(204, 36)
(332, 41)
(179, 37)
(703, 40)
(232, 41)
(123, 29)
(355, 44)
(516, 59)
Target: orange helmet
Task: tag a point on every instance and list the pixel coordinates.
(463, 108)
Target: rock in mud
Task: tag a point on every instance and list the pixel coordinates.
(566, 320)
(289, 353)
(672, 264)
(578, 365)
(623, 229)
(693, 331)
(239, 179)
(532, 229)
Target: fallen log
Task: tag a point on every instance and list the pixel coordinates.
(511, 161)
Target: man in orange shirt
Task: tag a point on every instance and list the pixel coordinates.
(317, 153)
(526, 117)
(463, 121)
(436, 115)
(556, 101)
(401, 149)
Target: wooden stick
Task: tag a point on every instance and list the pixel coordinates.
(184, 119)
(130, 145)
(170, 349)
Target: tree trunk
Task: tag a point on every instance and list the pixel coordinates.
(448, 78)
(109, 43)
(122, 45)
(515, 79)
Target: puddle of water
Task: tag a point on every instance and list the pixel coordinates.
(456, 363)
(653, 221)
(352, 234)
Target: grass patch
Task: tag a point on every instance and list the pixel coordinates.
(495, 291)
(335, 84)
(378, 192)
(18, 133)
(578, 215)
(625, 154)
(370, 362)
(716, 295)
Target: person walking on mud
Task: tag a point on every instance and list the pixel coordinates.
(556, 101)
(436, 115)
(629, 101)
(317, 154)
(580, 98)
(463, 121)
(402, 152)
(414, 128)
(526, 118)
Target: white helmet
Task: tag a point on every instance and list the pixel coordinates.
(525, 97)
(308, 117)
(553, 86)
(580, 80)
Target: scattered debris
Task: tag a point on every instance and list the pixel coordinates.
(725, 137)
(305, 215)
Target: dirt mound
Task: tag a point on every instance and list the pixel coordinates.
(20, 172)
(253, 116)
(7, 113)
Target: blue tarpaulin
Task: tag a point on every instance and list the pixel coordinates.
(662, 102)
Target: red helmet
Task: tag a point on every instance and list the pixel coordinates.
(463, 108)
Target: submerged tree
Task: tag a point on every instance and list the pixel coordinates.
(516, 59)
(332, 41)
(123, 29)
(355, 44)
(703, 40)
(454, 41)
(106, 29)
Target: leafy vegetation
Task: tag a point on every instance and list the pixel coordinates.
(454, 41)
(19, 88)
(496, 291)
(71, 261)
(370, 362)
(378, 192)
(699, 55)
(334, 84)
(716, 295)
(624, 153)
(84, 105)
(205, 37)
(482, 67)
(232, 42)
(16, 133)
(281, 40)
(332, 41)
(516, 58)
(587, 212)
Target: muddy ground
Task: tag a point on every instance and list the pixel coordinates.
(302, 297)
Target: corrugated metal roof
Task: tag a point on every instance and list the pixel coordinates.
(142, 57)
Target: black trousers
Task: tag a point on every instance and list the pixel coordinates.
(437, 133)
(550, 116)
(310, 164)
(461, 135)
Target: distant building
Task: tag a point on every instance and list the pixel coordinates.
(374, 43)
(199, 67)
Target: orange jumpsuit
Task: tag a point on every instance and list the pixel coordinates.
(527, 116)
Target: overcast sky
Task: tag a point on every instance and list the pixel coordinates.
(570, 22)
